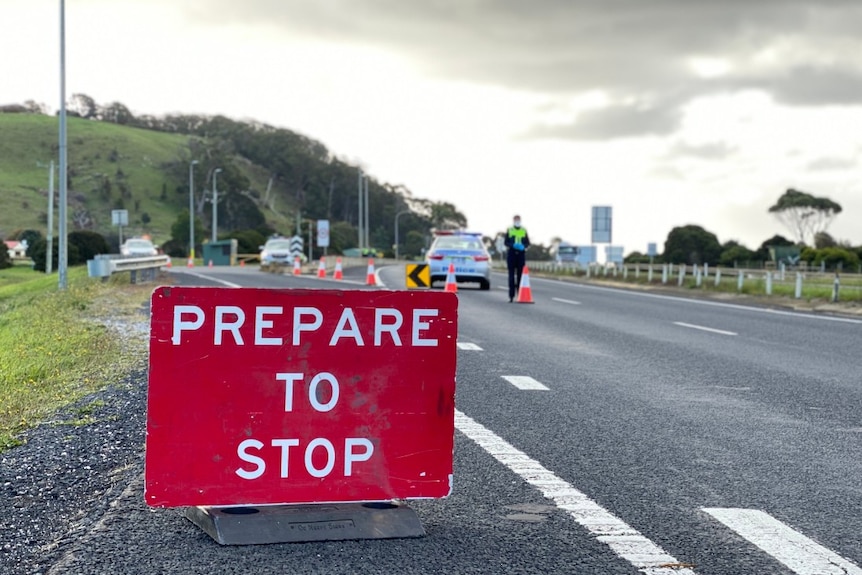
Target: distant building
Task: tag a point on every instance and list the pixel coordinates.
(16, 250)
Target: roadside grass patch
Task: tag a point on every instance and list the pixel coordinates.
(54, 348)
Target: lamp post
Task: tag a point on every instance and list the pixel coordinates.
(215, 202)
(360, 216)
(192, 210)
(63, 256)
(398, 215)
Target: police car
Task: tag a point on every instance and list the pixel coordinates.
(468, 254)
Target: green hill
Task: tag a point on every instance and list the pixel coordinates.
(110, 167)
(268, 177)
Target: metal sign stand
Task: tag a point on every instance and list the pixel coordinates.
(253, 525)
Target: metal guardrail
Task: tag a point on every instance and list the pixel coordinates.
(103, 266)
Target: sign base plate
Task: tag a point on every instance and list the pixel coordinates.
(302, 523)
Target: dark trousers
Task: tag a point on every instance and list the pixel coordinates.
(515, 262)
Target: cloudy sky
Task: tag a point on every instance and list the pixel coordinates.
(671, 111)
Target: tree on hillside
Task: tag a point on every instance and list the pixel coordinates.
(803, 214)
(180, 230)
(442, 215)
(84, 106)
(691, 245)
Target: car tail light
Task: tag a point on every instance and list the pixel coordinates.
(436, 256)
(481, 258)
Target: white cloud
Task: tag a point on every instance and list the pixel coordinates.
(672, 111)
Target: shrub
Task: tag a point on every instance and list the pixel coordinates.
(89, 244)
(5, 260)
(38, 253)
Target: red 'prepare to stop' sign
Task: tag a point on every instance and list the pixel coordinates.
(261, 396)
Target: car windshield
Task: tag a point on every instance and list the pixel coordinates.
(277, 245)
(139, 244)
(567, 250)
(459, 243)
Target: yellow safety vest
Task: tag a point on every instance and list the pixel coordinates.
(518, 234)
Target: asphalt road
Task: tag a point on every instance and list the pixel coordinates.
(657, 434)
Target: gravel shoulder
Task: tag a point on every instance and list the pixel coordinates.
(71, 469)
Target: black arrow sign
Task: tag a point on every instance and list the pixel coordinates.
(418, 276)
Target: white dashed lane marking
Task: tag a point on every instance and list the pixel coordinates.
(790, 547)
(568, 301)
(624, 540)
(469, 346)
(525, 382)
(702, 328)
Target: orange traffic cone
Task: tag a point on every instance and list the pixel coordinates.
(451, 283)
(297, 270)
(190, 263)
(321, 269)
(170, 263)
(210, 264)
(339, 273)
(525, 294)
(242, 263)
(369, 277)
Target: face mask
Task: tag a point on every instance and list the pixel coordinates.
(517, 223)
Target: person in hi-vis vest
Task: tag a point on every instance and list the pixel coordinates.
(517, 242)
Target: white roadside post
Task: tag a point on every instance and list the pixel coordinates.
(798, 293)
(768, 283)
(717, 277)
(649, 274)
(664, 274)
(740, 279)
(836, 285)
(681, 275)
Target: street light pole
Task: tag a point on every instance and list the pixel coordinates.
(367, 222)
(398, 215)
(192, 210)
(215, 203)
(63, 258)
(360, 215)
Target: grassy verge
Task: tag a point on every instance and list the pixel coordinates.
(53, 348)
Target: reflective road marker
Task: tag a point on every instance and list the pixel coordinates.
(524, 382)
(790, 547)
(624, 540)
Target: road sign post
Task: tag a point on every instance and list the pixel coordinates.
(120, 218)
(282, 397)
(323, 235)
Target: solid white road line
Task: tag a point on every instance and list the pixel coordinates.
(702, 328)
(469, 346)
(212, 279)
(623, 539)
(796, 551)
(525, 382)
(568, 301)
